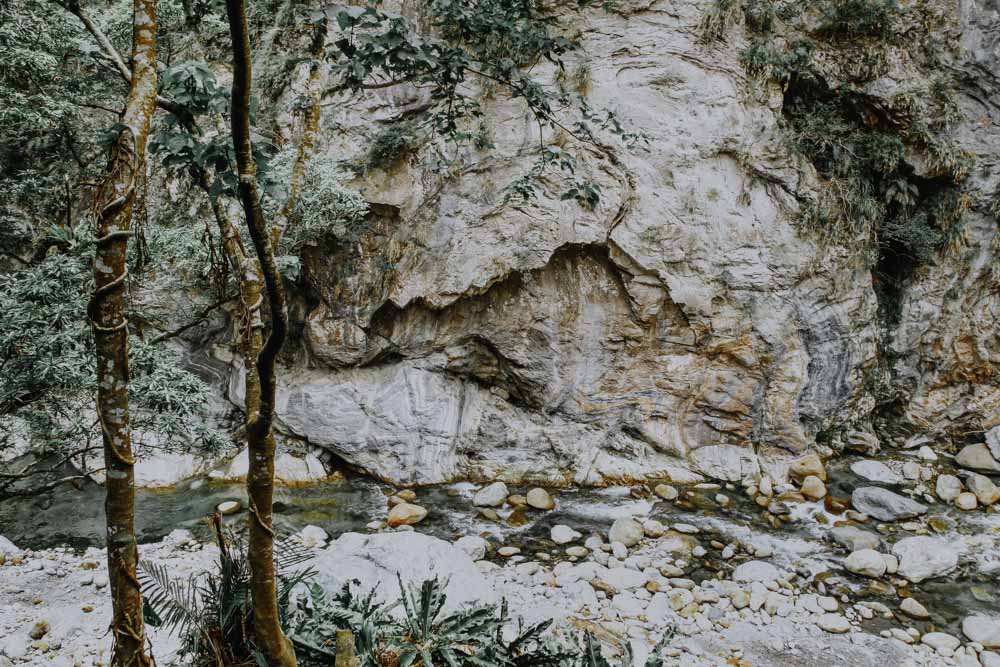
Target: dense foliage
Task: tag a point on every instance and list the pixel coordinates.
(890, 175)
(47, 383)
(213, 612)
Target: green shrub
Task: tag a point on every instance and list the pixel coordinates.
(213, 612)
(428, 635)
(324, 207)
(860, 18)
(871, 200)
(763, 60)
(720, 16)
(389, 148)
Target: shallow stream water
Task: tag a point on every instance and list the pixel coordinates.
(75, 518)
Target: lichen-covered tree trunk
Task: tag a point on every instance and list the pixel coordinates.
(277, 649)
(113, 211)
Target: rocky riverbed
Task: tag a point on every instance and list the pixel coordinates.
(855, 561)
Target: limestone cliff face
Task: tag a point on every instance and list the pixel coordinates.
(686, 326)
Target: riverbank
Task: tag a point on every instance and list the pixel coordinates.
(771, 573)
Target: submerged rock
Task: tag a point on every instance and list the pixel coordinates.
(540, 499)
(406, 514)
(885, 505)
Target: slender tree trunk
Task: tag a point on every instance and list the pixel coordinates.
(113, 211)
(277, 649)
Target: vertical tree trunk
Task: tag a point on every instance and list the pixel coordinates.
(277, 649)
(113, 211)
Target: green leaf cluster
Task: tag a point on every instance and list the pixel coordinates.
(427, 634)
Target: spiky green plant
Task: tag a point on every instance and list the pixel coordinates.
(213, 612)
(427, 635)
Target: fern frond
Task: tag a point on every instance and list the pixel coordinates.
(176, 602)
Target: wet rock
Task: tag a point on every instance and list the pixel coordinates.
(977, 457)
(966, 501)
(507, 552)
(911, 607)
(493, 495)
(948, 487)
(666, 492)
(406, 514)
(941, 523)
(228, 507)
(875, 471)
(473, 545)
(627, 531)
(866, 562)
(923, 558)
(517, 501)
(810, 464)
(834, 623)
(409, 495)
(885, 505)
(813, 487)
(561, 534)
(982, 630)
(540, 499)
(577, 552)
(986, 491)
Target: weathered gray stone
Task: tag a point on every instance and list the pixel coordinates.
(866, 562)
(492, 495)
(977, 457)
(948, 487)
(983, 630)
(854, 538)
(885, 505)
(923, 558)
(875, 471)
(627, 531)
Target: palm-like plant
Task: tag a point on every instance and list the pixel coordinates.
(428, 636)
(213, 612)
